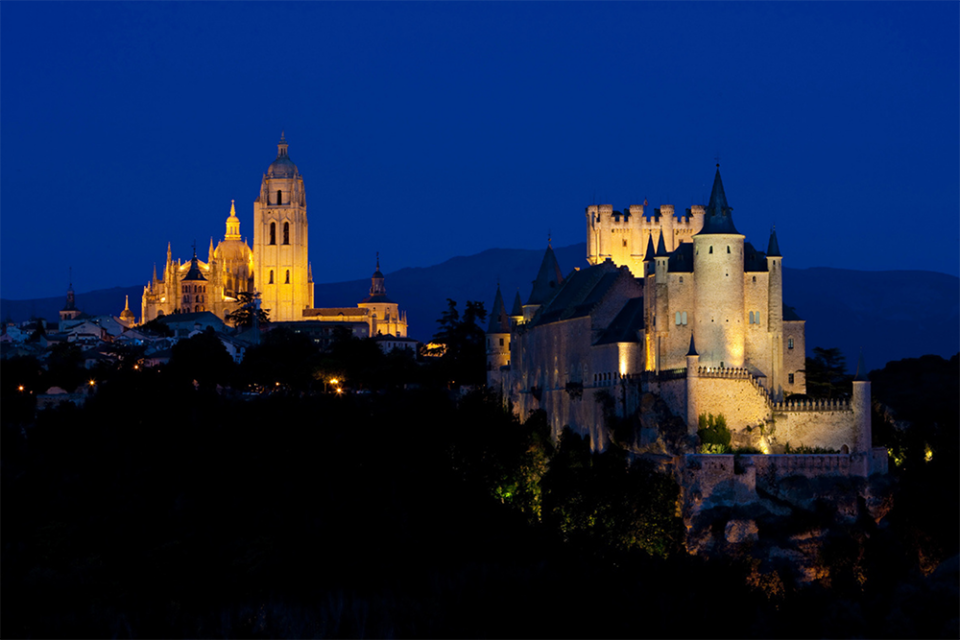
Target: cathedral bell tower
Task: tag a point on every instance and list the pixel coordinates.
(282, 273)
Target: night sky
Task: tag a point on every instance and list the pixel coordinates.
(426, 131)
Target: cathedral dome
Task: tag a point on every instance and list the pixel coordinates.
(283, 166)
(233, 251)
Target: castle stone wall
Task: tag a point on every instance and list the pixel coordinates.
(738, 399)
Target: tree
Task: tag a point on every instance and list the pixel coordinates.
(826, 374)
(463, 359)
(248, 308)
(202, 358)
(283, 356)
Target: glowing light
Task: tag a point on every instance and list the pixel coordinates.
(92, 382)
(927, 453)
(20, 388)
(136, 367)
(339, 391)
(334, 381)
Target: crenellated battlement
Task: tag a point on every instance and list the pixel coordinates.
(818, 404)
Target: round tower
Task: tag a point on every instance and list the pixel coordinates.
(775, 314)
(718, 284)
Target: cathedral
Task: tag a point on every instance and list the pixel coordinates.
(277, 268)
(681, 306)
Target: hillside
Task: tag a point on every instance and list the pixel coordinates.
(890, 314)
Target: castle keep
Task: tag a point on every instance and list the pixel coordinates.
(682, 306)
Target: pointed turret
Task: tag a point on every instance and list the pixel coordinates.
(210, 252)
(548, 279)
(661, 247)
(692, 351)
(499, 320)
(154, 282)
(718, 217)
(651, 252)
(773, 248)
(517, 310)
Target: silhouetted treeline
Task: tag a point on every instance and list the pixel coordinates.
(165, 507)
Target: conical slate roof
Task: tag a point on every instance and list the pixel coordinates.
(773, 249)
(194, 273)
(661, 247)
(548, 279)
(719, 215)
(517, 306)
(499, 320)
(692, 351)
(651, 253)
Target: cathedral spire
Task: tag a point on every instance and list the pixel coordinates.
(282, 146)
(210, 252)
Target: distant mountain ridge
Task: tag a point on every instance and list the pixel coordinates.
(890, 314)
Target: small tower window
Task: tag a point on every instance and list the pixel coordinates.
(754, 278)
(271, 276)
(286, 233)
(790, 343)
(790, 378)
(683, 318)
(728, 249)
(288, 277)
(279, 196)
(273, 233)
(751, 317)
(678, 319)
(711, 249)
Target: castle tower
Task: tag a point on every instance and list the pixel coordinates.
(861, 404)
(280, 240)
(693, 377)
(719, 324)
(498, 335)
(516, 313)
(775, 314)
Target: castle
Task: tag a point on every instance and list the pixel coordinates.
(277, 269)
(681, 306)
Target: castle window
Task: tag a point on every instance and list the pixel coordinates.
(790, 343)
(790, 378)
(501, 342)
(681, 279)
(273, 233)
(624, 243)
(279, 196)
(751, 317)
(683, 318)
(678, 319)
(728, 249)
(271, 277)
(286, 233)
(758, 317)
(711, 249)
(288, 277)
(754, 278)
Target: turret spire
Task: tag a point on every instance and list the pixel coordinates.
(499, 320)
(661, 247)
(719, 214)
(651, 253)
(773, 249)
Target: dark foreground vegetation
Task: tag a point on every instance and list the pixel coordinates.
(169, 508)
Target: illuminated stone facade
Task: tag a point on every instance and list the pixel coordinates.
(277, 268)
(697, 317)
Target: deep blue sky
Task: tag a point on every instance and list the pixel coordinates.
(430, 130)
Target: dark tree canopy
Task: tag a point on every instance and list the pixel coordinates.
(463, 343)
(826, 374)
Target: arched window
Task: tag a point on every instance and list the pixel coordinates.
(273, 233)
(757, 315)
(754, 278)
(683, 318)
(678, 318)
(286, 233)
(288, 277)
(751, 317)
(790, 343)
(711, 249)
(728, 249)
(271, 276)
(279, 196)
